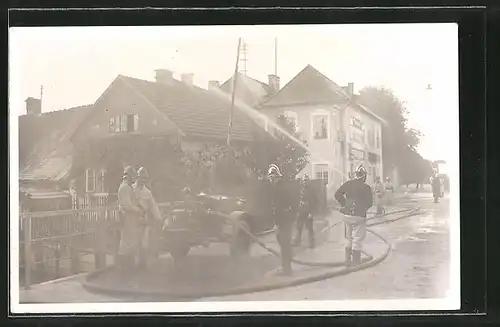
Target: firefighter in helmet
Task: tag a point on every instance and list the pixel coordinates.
(131, 215)
(283, 217)
(152, 217)
(355, 197)
(306, 212)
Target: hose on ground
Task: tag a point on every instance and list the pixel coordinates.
(279, 284)
(368, 257)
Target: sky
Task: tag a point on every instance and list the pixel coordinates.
(76, 64)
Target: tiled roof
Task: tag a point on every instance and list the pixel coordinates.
(310, 86)
(248, 90)
(195, 111)
(44, 146)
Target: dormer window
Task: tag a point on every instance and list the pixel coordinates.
(124, 123)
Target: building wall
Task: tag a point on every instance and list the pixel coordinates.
(359, 145)
(333, 153)
(122, 100)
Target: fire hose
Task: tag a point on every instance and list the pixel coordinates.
(411, 212)
(283, 283)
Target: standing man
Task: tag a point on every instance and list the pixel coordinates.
(152, 217)
(355, 197)
(283, 218)
(379, 194)
(131, 215)
(436, 187)
(389, 190)
(306, 212)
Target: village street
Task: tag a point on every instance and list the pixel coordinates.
(417, 268)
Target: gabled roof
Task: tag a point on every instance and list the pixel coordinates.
(44, 145)
(248, 90)
(196, 111)
(310, 86)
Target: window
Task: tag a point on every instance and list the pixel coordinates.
(378, 139)
(321, 172)
(292, 116)
(320, 126)
(124, 123)
(90, 180)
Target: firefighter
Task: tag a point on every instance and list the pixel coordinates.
(131, 215)
(355, 197)
(152, 217)
(379, 194)
(283, 218)
(306, 214)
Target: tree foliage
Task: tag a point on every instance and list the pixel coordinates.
(285, 150)
(399, 142)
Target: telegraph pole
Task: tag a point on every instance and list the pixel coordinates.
(244, 58)
(235, 79)
(41, 97)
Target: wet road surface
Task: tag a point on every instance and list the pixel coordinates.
(417, 268)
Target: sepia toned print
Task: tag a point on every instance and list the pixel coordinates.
(256, 168)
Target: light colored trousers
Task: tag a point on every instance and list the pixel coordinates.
(355, 232)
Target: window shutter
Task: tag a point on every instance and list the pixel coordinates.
(136, 123)
(117, 124)
(123, 123)
(111, 124)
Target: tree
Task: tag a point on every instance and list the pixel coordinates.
(285, 150)
(399, 142)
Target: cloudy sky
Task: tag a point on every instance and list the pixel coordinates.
(76, 64)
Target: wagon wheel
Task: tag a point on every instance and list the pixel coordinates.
(241, 243)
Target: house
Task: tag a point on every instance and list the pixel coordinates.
(45, 156)
(140, 122)
(340, 133)
(249, 90)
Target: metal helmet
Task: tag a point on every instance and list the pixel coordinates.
(360, 172)
(142, 173)
(273, 171)
(130, 172)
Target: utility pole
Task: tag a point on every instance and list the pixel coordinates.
(244, 58)
(276, 56)
(235, 80)
(41, 97)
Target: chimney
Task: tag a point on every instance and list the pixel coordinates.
(350, 89)
(213, 85)
(33, 106)
(187, 78)
(163, 76)
(274, 82)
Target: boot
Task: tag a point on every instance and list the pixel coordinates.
(348, 256)
(356, 257)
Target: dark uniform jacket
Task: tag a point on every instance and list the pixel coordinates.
(281, 202)
(356, 196)
(307, 200)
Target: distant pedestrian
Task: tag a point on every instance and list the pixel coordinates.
(355, 197)
(379, 195)
(283, 217)
(436, 187)
(389, 190)
(306, 212)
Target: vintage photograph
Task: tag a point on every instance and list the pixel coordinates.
(234, 168)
